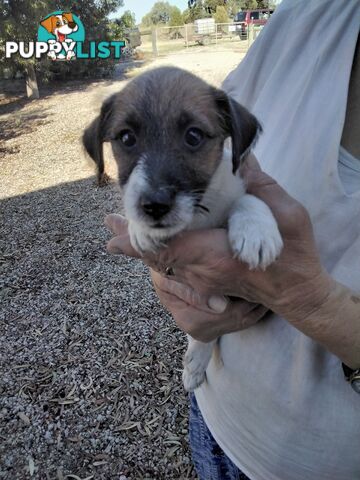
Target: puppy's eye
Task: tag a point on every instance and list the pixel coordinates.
(194, 137)
(127, 138)
(58, 23)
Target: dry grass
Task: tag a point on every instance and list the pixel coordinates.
(90, 384)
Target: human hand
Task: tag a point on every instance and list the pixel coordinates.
(203, 317)
(293, 286)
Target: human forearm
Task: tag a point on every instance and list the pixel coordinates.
(329, 313)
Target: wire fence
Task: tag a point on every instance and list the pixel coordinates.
(187, 38)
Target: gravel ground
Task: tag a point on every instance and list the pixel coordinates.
(90, 362)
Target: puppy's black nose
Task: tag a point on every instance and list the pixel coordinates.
(157, 204)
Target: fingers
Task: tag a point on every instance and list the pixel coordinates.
(192, 247)
(121, 243)
(251, 316)
(213, 304)
(116, 223)
(261, 184)
(252, 163)
(286, 209)
(195, 315)
(206, 326)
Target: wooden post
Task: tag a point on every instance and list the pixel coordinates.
(154, 42)
(252, 34)
(186, 36)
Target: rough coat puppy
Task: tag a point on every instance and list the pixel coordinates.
(167, 129)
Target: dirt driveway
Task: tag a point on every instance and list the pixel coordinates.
(90, 383)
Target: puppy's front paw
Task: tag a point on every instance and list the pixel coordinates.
(196, 361)
(256, 243)
(142, 241)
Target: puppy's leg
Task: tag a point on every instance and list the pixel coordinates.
(103, 179)
(253, 232)
(196, 360)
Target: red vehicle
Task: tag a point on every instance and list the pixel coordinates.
(251, 17)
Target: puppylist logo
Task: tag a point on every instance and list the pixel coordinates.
(61, 36)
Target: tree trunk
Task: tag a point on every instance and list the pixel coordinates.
(31, 82)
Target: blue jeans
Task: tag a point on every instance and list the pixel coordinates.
(210, 461)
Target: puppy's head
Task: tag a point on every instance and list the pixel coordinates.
(167, 130)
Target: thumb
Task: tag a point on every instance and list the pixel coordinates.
(265, 187)
(116, 223)
(251, 163)
(121, 243)
(212, 304)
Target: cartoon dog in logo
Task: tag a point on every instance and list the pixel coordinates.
(60, 26)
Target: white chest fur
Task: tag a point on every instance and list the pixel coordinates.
(254, 238)
(224, 190)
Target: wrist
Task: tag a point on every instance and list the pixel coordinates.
(328, 312)
(313, 298)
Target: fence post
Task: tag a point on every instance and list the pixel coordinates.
(154, 42)
(186, 36)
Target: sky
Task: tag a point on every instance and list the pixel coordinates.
(141, 7)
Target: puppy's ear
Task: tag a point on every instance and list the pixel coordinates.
(239, 123)
(97, 133)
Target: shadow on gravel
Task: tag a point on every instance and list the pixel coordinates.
(90, 363)
(53, 213)
(20, 123)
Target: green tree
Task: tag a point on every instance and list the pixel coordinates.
(176, 17)
(19, 21)
(251, 4)
(195, 11)
(118, 26)
(146, 20)
(127, 19)
(233, 7)
(94, 14)
(221, 15)
(265, 4)
(163, 13)
(211, 5)
(160, 13)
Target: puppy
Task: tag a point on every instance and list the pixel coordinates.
(167, 129)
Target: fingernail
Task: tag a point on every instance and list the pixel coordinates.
(217, 303)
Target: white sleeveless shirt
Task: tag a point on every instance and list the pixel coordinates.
(279, 406)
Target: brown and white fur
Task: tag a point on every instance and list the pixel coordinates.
(167, 129)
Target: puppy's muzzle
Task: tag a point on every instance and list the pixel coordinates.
(157, 204)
